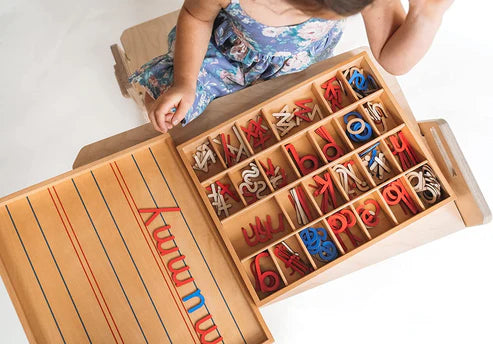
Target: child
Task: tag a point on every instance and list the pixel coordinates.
(221, 46)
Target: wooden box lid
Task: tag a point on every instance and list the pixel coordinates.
(83, 264)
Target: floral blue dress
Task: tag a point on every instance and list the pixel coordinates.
(242, 51)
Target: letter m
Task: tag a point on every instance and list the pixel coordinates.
(160, 241)
(176, 272)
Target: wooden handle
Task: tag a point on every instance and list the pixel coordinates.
(470, 200)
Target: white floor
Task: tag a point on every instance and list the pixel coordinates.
(59, 94)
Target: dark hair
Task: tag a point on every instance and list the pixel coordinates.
(341, 7)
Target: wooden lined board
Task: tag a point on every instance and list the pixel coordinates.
(82, 266)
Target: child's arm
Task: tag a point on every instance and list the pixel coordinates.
(193, 32)
(398, 41)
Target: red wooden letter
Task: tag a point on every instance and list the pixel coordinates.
(161, 241)
(204, 333)
(300, 162)
(176, 272)
(155, 212)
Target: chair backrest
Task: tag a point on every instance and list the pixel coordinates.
(147, 40)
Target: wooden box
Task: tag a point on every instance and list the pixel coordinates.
(257, 226)
(129, 248)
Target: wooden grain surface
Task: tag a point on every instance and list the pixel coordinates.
(81, 265)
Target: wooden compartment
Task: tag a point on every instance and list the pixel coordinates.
(351, 177)
(298, 205)
(250, 182)
(326, 193)
(375, 214)
(406, 157)
(303, 154)
(382, 107)
(319, 234)
(402, 199)
(335, 92)
(304, 107)
(270, 162)
(224, 197)
(255, 228)
(357, 83)
(203, 157)
(231, 145)
(351, 121)
(257, 131)
(379, 163)
(347, 229)
(331, 140)
(292, 259)
(427, 185)
(264, 274)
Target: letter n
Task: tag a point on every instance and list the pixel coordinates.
(204, 333)
(198, 294)
(176, 272)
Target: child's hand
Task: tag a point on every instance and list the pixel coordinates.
(178, 97)
(430, 8)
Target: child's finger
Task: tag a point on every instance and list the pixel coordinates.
(180, 113)
(169, 116)
(152, 118)
(161, 122)
(164, 107)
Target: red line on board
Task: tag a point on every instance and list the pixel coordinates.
(87, 262)
(150, 248)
